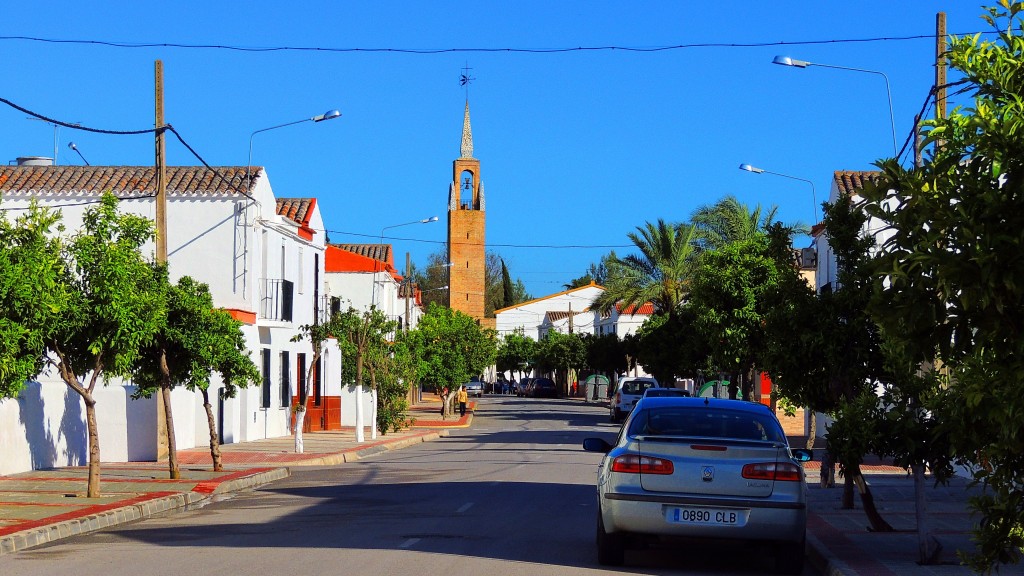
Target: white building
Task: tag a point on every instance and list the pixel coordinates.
(263, 259)
(535, 317)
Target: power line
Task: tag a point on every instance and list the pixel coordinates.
(443, 242)
(422, 51)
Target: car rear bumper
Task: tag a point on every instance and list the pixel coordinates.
(646, 514)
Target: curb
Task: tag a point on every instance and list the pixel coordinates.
(820, 559)
(355, 455)
(94, 522)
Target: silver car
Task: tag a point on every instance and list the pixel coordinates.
(703, 468)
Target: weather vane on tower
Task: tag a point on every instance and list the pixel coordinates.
(465, 79)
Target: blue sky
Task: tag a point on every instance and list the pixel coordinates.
(576, 148)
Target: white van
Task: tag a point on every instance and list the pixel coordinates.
(627, 391)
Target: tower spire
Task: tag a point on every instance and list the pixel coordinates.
(467, 135)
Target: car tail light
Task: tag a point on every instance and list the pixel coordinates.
(780, 471)
(618, 397)
(640, 464)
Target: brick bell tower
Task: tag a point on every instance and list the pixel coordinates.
(466, 246)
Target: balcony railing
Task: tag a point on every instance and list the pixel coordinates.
(277, 298)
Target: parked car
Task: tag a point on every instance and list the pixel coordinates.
(475, 388)
(677, 392)
(701, 468)
(543, 387)
(524, 386)
(627, 391)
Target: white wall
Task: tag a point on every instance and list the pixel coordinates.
(230, 243)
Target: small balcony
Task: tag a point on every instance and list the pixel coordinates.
(277, 299)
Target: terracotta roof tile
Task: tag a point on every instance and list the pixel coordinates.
(380, 252)
(850, 181)
(298, 210)
(122, 180)
(645, 308)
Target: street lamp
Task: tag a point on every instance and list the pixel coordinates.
(72, 146)
(756, 170)
(329, 115)
(793, 62)
(373, 284)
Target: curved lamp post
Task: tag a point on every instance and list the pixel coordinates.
(793, 62)
(756, 170)
(329, 115)
(373, 284)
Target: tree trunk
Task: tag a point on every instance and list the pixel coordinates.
(165, 393)
(172, 448)
(300, 420)
(847, 490)
(93, 487)
(928, 548)
(878, 524)
(812, 429)
(360, 417)
(373, 403)
(212, 425)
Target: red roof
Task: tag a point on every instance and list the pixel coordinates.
(298, 210)
(337, 259)
(645, 308)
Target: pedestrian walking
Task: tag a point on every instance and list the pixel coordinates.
(444, 399)
(462, 397)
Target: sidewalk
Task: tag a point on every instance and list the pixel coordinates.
(46, 505)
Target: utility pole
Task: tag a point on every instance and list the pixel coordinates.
(162, 451)
(940, 65)
(408, 287)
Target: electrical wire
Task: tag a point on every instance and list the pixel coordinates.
(553, 246)
(236, 48)
(77, 126)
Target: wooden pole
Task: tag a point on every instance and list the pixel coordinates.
(162, 450)
(940, 65)
(161, 168)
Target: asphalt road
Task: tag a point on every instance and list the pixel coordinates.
(513, 495)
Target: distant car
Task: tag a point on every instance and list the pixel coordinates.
(701, 468)
(543, 387)
(523, 387)
(628, 390)
(475, 388)
(677, 392)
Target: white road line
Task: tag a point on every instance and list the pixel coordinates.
(409, 543)
(464, 507)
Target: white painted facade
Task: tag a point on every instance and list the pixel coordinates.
(529, 316)
(237, 246)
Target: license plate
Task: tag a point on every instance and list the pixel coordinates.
(706, 516)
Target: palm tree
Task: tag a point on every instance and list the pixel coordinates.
(729, 220)
(660, 273)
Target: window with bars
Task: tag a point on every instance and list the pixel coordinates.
(300, 373)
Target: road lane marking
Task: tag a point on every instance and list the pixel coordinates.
(409, 543)
(464, 507)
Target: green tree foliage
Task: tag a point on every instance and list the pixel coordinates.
(563, 354)
(195, 341)
(672, 346)
(729, 298)
(515, 353)
(118, 310)
(953, 279)
(35, 294)
(730, 220)
(606, 354)
(450, 348)
(395, 378)
(363, 339)
(660, 273)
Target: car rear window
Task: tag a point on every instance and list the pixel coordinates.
(705, 423)
(636, 386)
